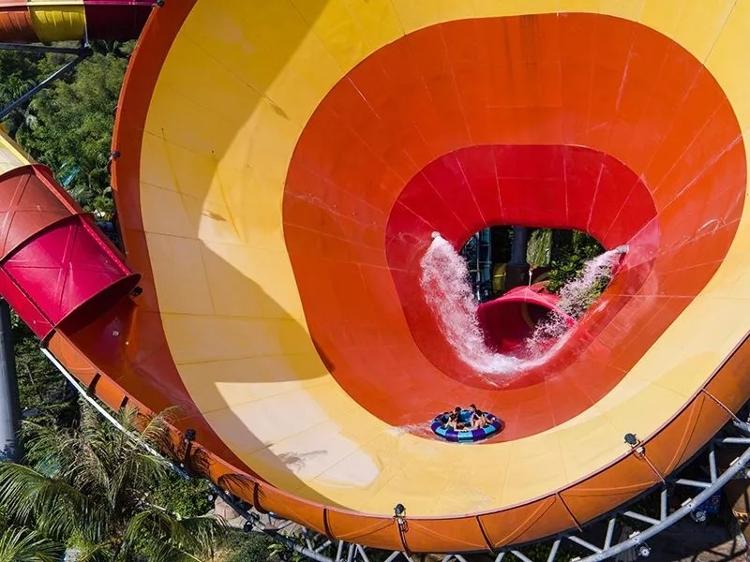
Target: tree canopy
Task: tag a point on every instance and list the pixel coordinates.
(93, 488)
(69, 125)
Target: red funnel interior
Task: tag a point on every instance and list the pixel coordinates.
(508, 321)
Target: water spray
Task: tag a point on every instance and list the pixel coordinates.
(444, 280)
(622, 249)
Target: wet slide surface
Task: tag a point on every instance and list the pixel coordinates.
(283, 165)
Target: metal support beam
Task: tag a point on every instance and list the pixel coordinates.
(484, 264)
(683, 511)
(735, 441)
(80, 51)
(641, 517)
(10, 408)
(553, 551)
(663, 504)
(519, 555)
(712, 464)
(519, 246)
(392, 556)
(59, 73)
(517, 270)
(362, 554)
(585, 544)
(692, 483)
(610, 533)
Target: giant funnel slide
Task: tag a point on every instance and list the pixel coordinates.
(282, 165)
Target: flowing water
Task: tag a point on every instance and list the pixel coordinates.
(423, 429)
(445, 281)
(580, 293)
(576, 296)
(446, 286)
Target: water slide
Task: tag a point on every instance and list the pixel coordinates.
(280, 168)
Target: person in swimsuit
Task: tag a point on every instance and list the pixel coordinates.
(450, 419)
(458, 424)
(477, 417)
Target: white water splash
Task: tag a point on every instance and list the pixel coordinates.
(576, 297)
(446, 287)
(547, 334)
(444, 280)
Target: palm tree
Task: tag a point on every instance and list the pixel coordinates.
(90, 486)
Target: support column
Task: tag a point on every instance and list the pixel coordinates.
(518, 267)
(484, 264)
(10, 408)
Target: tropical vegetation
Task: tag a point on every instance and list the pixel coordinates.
(94, 489)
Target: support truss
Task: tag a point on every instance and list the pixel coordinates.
(627, 529)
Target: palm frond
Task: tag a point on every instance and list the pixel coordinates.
(49, 448)
(168, 552)
(204, 531)
(93, 552)
(157, 431)
(56, 506)
(21, 545)
(162, 533)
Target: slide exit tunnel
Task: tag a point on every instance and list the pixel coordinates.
(282, 165)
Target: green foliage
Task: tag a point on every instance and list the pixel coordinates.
(18, 73)
(281, 551)
(539, 248)
(69, 128)
(239, 546)
(571, 259)
(43, 393)
(189, 498)
(22, 545)
(94, 487)
(285, 550)
(69, 125)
